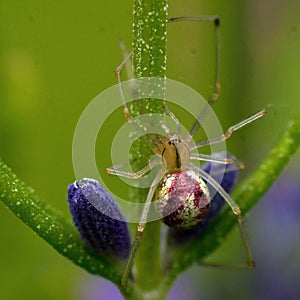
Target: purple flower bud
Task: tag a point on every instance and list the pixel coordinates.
(217, 202)
(98, 219)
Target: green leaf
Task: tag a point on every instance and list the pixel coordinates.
(50, 225)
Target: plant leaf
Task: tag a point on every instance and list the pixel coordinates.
(50, 225)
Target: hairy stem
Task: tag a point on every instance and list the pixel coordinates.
(149, 60)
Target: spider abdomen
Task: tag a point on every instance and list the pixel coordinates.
(182, 199)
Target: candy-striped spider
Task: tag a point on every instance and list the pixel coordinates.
(179, 187)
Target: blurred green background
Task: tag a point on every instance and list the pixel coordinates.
(56, 56)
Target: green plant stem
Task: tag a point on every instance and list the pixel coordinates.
(149, 60)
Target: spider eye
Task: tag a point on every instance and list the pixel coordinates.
(174, 141)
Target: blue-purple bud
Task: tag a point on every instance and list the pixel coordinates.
(217, 202)
(105, 234)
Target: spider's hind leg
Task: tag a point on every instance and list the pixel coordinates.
(236, 210)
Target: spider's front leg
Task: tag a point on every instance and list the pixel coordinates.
(118, 72)
(217, 85)
(230, 130)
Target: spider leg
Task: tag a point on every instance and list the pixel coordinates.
(125, 53)
(216, 170)
(176, 121)
(126, 112)
(133, 175)
(140, 228)
(217, 86)
(235, 209)
(229, 131)
(212, 158)
(235, 167)
(118, 72)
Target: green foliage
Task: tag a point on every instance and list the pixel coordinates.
(52, 227)
(49, 224)
(26, 100)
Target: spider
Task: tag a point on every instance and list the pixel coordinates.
(179, 187)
